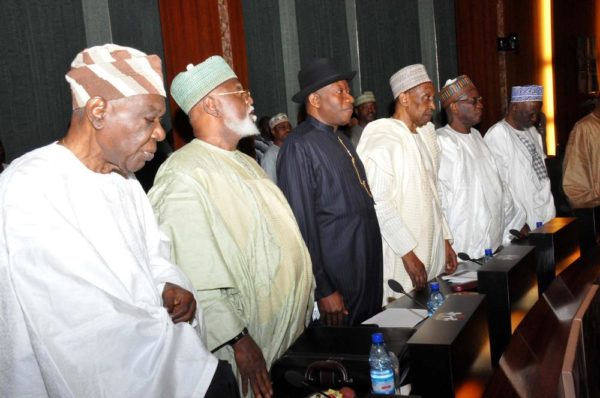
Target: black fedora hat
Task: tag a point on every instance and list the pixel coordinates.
(318, 73)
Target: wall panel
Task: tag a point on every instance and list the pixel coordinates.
(193, 31)
(322, 32)
(476, 32)
(265, 58)
(388, 36)
(39, 40)
(572, 21)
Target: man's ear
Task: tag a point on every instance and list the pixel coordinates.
(314, 100)
(453, 108)
(95, 111)
(211, 106)
(403, 98)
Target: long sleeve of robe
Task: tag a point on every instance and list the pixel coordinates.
(269, 162)
(478, 207)
(515, 166)
(402, 169)
(235, 236)
(81, 265)
(336, 215)
(581, 167)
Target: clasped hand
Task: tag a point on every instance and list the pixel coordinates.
(332, 309)
(180, 303)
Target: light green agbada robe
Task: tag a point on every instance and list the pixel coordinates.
(236, 238)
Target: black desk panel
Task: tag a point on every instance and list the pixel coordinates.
(557, 247)
(443, 350)
(509, 282)
(589, 228)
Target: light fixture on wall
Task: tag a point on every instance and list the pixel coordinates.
(508, 43)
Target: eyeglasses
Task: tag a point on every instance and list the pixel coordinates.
(243, 93)
(472, 100)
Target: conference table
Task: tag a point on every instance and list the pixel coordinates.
(455, 352)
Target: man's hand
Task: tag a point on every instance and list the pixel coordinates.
(180, 303)
(415, 269)
(332, 309)
(251, 364)
(451, 261)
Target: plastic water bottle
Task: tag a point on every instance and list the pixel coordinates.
(436, 298)
(396, 366)
(489, 254)
(382, 369)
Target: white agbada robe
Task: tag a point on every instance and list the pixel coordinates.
(82, 268)
(401, 169)
(477, 205)
(515, 165)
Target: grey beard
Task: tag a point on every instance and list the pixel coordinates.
(243, 128)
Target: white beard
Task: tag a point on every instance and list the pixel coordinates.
(243, 128)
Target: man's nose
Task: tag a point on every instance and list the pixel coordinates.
(159, 133)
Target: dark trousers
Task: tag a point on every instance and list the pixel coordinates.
(224, 383)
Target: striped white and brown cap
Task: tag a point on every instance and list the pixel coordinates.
(111, 72)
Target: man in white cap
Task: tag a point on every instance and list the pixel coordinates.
(91, 305)
(365, 108)
(324, 180)
(478, 207)
(280, 128)
(518, 151)
(401, 156)
(233, 232)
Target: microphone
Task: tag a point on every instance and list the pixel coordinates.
(297, 380)
(466, 257)
(397, 287)
(516, 234)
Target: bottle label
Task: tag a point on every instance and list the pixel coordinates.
(383, 381)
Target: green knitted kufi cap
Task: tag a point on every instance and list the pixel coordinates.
(189, 87)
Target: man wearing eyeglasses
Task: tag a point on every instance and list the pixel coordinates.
(478, 207)
(322, 177)
(232, 230)
(401, 157)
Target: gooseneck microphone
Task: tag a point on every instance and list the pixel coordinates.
(297, 380)
(466, 257)
(516, 234)
(397, 287)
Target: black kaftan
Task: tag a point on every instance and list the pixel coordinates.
(332, 204)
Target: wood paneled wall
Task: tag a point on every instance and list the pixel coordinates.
(572, 20)
(479, 23)
(193, 30)
(476, 33)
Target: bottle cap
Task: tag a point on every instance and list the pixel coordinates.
(538, 224)
(377, 338)
(435, 286)
(488, 252)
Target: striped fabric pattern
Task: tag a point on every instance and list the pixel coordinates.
(453, 89)
(111, 72)
(538, 163)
